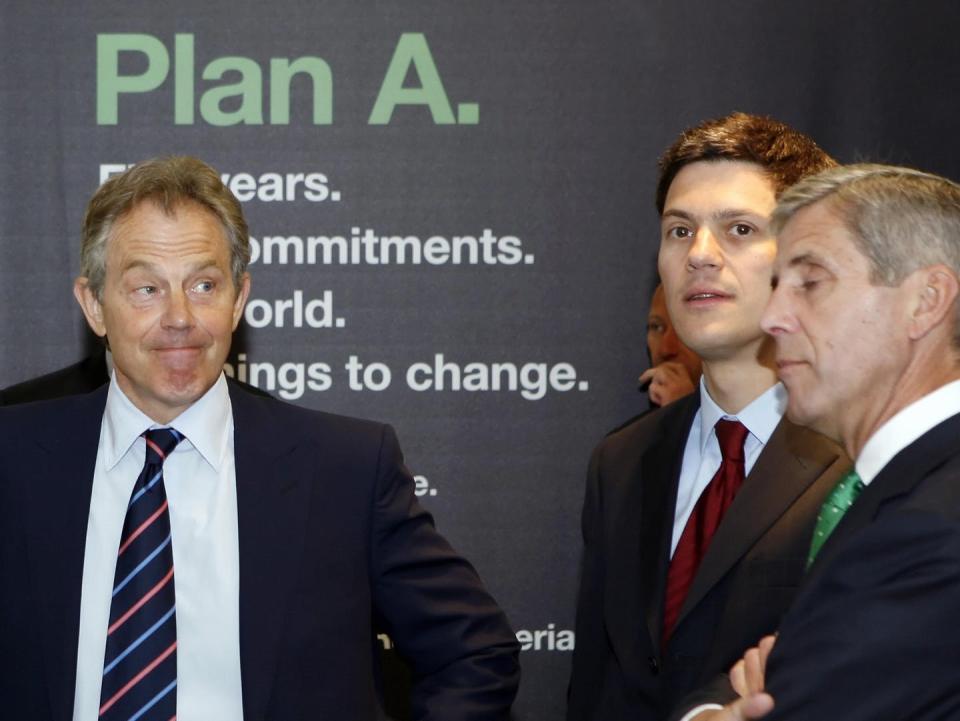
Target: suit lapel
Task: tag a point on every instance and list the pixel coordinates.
(898, 477)
(641, 544)
(56, 542)
(792, 460)
(272, 509)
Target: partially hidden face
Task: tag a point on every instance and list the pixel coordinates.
(662, 341)
(841, 341)
(716, 256)
(168, 307)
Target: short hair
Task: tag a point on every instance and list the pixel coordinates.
(784, 154)
(900, 218)
(168, 182)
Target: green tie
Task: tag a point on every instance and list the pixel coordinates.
(838, 502)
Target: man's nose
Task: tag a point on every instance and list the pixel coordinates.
(777, 317)
(178, 313)
(704, 250)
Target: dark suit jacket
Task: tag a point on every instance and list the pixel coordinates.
(331, 538)
(743, 586)
(83, 377)
(874, 635)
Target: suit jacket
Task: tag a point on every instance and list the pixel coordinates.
(874, 633)
(331, 540)
(743, 586)
(83, 377)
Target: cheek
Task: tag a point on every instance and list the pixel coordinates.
(126, 325)
(217, 322)
(839, 354)
(761, 259)
(671, 258)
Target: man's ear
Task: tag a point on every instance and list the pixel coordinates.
(243, 292)
(90, 305)
(935, 295)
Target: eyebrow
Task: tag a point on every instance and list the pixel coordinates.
(149, 266)
(805, 259)
(725, 214)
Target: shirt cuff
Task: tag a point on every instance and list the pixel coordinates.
(691, 714)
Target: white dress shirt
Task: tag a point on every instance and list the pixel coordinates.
(200, 481)
(701, 456)
(906, 426)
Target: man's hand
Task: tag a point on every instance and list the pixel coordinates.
(748, 674)
(668, 381)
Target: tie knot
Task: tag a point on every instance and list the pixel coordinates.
(731, 435)
(160, 443)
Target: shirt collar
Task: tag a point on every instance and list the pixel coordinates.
(905, 427)
(760, 416)
(206, 424)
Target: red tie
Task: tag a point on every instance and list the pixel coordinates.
(703, 522)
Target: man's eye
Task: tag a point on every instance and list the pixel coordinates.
(742, 229)
(680, 232)
(657, 328)
(204, 286)
(810, 284)
(146, 290)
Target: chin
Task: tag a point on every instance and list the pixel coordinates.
(187, 386)
(818, 422)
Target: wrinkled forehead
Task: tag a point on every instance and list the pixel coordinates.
(151, 229)
(181, 211)
(817, 235)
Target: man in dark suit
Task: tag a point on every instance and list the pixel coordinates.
(274, 538)
(670, 594)
(869, 260)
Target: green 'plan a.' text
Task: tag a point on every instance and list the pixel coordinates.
(249, 103)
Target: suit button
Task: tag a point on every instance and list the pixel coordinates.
(654, 665)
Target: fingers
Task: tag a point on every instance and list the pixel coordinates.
(754, 707)
(738, 679)
(745, 709)
(668, 381)
(753, 671)
(748, 675)
(673, 368)
(765, 647)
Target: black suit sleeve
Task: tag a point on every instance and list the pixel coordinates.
(717, 691)
(592, 651)
(875, 634)
(463, 652)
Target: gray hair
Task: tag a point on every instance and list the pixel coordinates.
(901, 219)
(168, 182)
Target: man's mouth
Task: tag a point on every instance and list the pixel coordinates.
(705, 296)
(787, 364)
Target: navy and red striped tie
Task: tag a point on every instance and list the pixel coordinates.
(140, 662)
